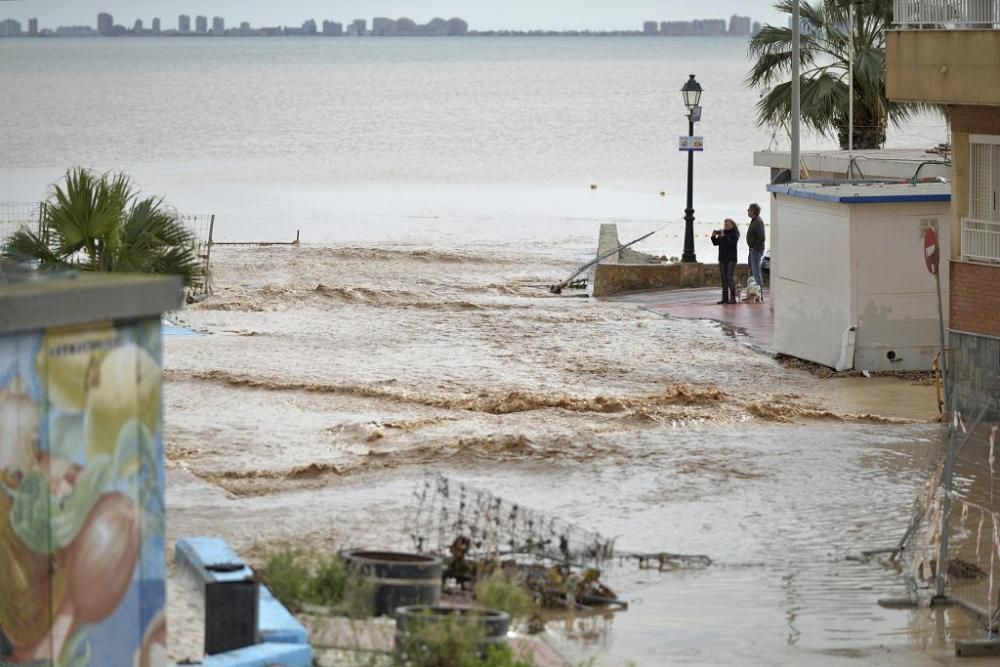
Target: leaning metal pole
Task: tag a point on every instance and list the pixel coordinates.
(796, 90)
(689, 255)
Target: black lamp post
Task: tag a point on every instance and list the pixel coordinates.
(692, 96)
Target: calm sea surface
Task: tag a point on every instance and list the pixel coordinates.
(424, 141)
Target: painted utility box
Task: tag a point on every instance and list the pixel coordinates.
(82, 549)
(849, 285)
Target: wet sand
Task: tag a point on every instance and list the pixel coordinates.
(330, 379)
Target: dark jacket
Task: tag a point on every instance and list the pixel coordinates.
(727, 243)
(755, 234)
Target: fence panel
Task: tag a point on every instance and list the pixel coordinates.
(202, 227)
(15, 215)
(966, 520)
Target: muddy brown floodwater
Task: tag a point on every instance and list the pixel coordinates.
(330, 379)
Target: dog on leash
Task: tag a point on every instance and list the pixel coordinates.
(753, 294)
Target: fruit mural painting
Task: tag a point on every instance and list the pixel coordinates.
(81, 498)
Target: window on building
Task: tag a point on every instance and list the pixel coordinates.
(981, 230)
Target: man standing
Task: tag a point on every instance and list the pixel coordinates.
(755, 239)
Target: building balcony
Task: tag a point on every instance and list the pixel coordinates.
(947, 14)
(981, 240)
(944, 52)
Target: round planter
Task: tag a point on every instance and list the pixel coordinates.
(493, 623)
(399, 579)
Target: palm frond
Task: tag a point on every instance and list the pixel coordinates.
(27, 246)
(153, 240)
(825, 89)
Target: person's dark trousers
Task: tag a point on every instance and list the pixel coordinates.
(725, 285)
(727, 271)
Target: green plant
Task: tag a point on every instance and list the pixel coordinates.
(505, 594)
(326, 585)
(826, 57)
(288, 577)
(97, 222)
(453, 642)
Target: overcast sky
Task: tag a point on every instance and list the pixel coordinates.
(481, 14)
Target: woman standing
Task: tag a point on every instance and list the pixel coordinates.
(727, 239)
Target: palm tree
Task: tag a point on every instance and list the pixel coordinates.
(825, 62)
(97, 222)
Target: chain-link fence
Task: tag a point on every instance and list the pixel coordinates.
(957, 521)
(15, 215)
(202, 227)
(491, 528)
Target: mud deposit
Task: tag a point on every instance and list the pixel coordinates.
(330, 379)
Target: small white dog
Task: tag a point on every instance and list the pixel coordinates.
(753, 294)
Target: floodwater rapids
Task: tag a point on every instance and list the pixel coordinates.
(328, 380)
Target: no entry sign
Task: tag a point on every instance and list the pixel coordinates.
(932, 252)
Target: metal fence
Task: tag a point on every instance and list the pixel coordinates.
(952, 547)
(947, 13)
(202, 227)
(448, 512)
(16, 215)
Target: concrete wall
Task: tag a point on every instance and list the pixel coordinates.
(812, 280)
(895, 298)
(628, 271)
(943, 66)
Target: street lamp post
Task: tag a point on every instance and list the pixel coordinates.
(692, 97)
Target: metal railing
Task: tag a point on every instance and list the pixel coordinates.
(980, 240)
(936, 14)
(952, 547)
(31, 215)
(15, 215)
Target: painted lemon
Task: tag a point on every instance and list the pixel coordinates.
(31, 584)
(124, 386)
(65, 359)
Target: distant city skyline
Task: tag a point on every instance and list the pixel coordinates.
(513, 15)
(735, 26)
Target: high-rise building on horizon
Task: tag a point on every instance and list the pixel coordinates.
(137, 28)
(218, 26)
(383, 27)
(309, 27)
(201, 25)
(650, 28)
(757, 27)
(10, 28)
(740, 25)
(183, 23)
(333, 29)
(33, 27)
(359, 27)
(105, 24)
(156, 26)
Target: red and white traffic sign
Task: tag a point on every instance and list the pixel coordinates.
(932, 251)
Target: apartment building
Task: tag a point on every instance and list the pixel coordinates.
(947, 52)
